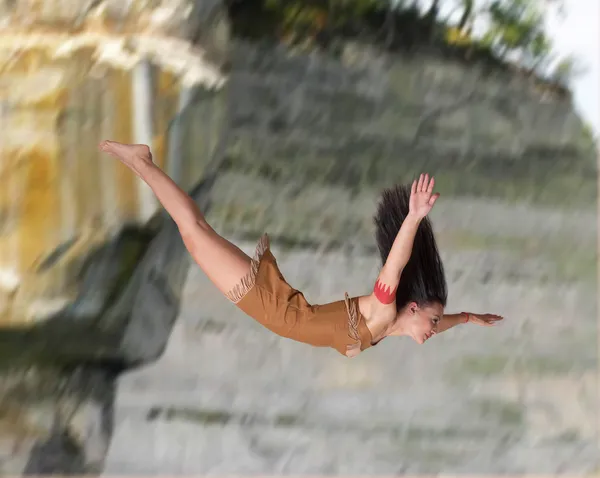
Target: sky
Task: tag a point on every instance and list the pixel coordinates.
(579, 33)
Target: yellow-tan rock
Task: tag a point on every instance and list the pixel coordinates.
(60, 96)
(90, 273)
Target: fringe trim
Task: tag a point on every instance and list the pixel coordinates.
(249, 280)
(352, 319)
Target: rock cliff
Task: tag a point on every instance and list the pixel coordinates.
(90, 272)
(310, 139)
(92, 276)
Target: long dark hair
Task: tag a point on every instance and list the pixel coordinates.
(423, 280)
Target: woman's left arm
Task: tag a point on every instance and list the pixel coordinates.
(452, 320)
(382, 302)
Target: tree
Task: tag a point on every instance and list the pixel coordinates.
(305, 19)
(467, 14)
(517, 30)
(513, 30)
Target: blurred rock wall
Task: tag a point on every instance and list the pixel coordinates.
(91, 272)
(90, 287)
(311, 140)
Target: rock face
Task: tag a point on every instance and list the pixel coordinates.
(174, 18)
(311, 140)
(92, 278)
(56, 419)
(88, 285)
(228, 397)
(60, 200)
(327, 133)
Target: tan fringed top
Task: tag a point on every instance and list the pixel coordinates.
(265, 296)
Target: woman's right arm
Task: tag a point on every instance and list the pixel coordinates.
(452, 320)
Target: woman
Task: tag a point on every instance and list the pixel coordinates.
(408, 298)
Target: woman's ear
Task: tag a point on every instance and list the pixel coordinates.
(413, 307)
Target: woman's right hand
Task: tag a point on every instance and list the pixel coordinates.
(486, 320)
(422, 197)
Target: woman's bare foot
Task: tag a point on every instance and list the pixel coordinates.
(131, 155)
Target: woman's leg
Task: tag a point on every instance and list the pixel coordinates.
(223, 262)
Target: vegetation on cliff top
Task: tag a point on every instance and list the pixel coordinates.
(502, 33)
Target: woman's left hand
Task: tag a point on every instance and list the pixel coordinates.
(422, 197)
(487, 320)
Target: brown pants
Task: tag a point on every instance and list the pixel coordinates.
(265, 296)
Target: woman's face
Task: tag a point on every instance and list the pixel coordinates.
(422, 322)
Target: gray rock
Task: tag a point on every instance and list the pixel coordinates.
(308, 141)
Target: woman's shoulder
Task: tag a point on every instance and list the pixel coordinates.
(375, 311)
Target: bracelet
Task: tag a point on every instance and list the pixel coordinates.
(467, 315)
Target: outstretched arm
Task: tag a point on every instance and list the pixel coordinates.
(382, 302)
(452, 320)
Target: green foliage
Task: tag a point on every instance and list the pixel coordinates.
(303, 21)
(518, 26)
(467, 15)
(513, 30)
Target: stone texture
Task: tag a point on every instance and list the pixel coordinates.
(229, 397)
(169, 17)
(88, 285)
(185, 38)
(324, 134)
(366, 119)
(308, 140)
(74, 228)
(311, 140)
(56, 419)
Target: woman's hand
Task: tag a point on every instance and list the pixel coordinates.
(487, 320)
(422, 198)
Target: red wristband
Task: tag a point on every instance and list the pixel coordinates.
(466, 314)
